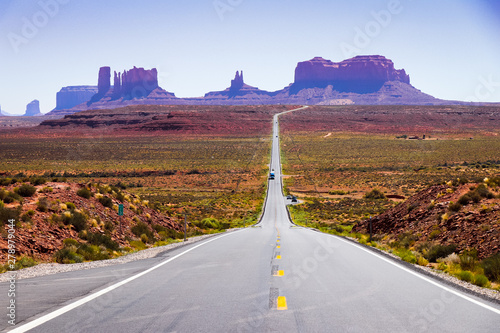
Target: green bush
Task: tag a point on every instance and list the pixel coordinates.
(468, 259)
(7, 214)
(38, 181)
(106, 201)
(26, 190)
(84, 193)
(77, 220)
(464, 199)
(71, 206)
(481, 280)
(42, 205)
(100, 239)
(138, 245)
(209, 223)
(142, 228)
(491, 267)
(465, 276)
(439, 251)
(375, 194)
(25, 262)
(66, 256)
(406, 255)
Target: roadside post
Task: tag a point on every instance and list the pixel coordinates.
(120, 214)
(185, 224)
(371, 230)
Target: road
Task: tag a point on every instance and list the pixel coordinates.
(272, 277)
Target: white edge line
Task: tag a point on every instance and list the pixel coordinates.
(37, 322)
(486, 306)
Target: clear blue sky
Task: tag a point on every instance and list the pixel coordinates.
(450, 48)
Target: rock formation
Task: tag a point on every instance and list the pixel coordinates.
(33, 109)
(72, 96)
(361, 74)
(137, 82)
(104, 82)
(237, 83)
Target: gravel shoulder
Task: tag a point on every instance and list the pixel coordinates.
(55, 268)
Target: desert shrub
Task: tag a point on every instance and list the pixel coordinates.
(483, 191)
(142, 228)
(406, 255)
(77, 220)
(25, 262)
(84, 193)
(407, 239)
(491, 267)
(138, 245)
(144, 238)
(464, 199)
(109, 226)
(66, 256)
(38, 181)
(70, 242)
(451, 259)
(43, 205)
(209, 223)
(47, 189)
(100, 239)
(92, 252)
(439, 251)
(375, 194)
(454, 207)
(26, 190)
(7, 214)
(481, 280)
(106, 201)
(6, 181)
(71, 206)
(465, 276)
(436, 232)
(468, 259)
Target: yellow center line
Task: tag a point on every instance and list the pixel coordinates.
(282, 303)
(280, 273)
(279, 247)
(278, 257)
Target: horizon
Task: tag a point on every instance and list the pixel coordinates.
(198, 46)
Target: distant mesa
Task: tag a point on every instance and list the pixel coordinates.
(361, 74)
(33, 109)
(69, 97)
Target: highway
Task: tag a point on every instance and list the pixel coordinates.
(272, 277)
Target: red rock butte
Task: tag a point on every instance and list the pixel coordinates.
(361, 74)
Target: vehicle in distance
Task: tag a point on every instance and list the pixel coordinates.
(294, 198)
(289, 197)
(271, 176)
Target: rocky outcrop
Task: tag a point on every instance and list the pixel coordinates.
(137, 83)
(104, 82)
(237, 93)
(361, 74)
(33, 109)
(69, 97)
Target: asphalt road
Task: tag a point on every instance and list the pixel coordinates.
(273, 277)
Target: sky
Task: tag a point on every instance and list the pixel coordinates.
(450, 48)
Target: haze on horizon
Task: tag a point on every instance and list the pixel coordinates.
(449, 48)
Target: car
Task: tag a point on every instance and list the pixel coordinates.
(294, 199)
(289, 197)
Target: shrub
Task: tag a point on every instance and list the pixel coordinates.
(209, 223)
(138, 245)
(491, 267)
(481, 280)
(454, 207)
(42, 205)
(70, 242)
(100, 239)
(84, 193)
(7, 214)
(468, 259)
(25, 262)
(465, 276)
(38, 181)
(66, 256)
(71, 206)
(77, 220)
(406, 255)
(26, 190)
(142, 229)
(144, 238)
(464, 199)
(375, 194)
(439, 251)
(106, 201)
